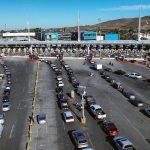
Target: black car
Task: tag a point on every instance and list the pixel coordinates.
(105, 76)
(108, 69)
(63, 103)
(120, 72)
(89, 100)
(147, 111)
(137, 103)
(102, 72)
(59, 89)
(75, 83)
(60, 95)
(6, 92)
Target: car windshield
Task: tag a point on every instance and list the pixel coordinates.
(70, 117)
(128, 147)
(82, 141)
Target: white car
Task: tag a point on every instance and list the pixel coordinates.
(41, 118)
(2, 120)
(59, 78)
(134, 75)
(60, 84)
(97, 111)
(122, 143)
(68, 116)
(6, 106)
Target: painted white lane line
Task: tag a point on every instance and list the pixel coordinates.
(90, 141)
(11, 131)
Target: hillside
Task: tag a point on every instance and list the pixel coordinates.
(119, 24)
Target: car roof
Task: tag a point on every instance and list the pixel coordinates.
(68, 113)
(123, 140)
(96, 106)
(79, 134)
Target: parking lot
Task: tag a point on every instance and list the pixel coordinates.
(55, 134)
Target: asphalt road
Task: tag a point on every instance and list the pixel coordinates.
(55, 134)
(16, 120)
(129, 120)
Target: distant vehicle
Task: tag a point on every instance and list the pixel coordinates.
(97, 111)
(6, 106)
(68, 116)
(60, 95)
(59, 89)
(2, 116)
(97, 66)
(108, 69)
(1, 129)
(116, 85)
(88, 148)
(41, 118)
(110, 128)
(147, 111)
(79, 139)
(89, 100)
(59, 78)
(120, 72)
(75, 83)
(123, 143)
(2, 76)
(60, 84)
(78, 106)
(128, 94)
(66, 65)
(137, 103)
(63, 103)
(102, 72)
(134, 75)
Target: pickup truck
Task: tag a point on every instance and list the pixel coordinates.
(97, 111)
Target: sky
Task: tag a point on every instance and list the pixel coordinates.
(14, 14)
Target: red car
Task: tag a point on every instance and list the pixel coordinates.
(110, 128)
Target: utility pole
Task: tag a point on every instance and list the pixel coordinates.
(28, 31)
(139, 27)
(99, 19)
(78, 26)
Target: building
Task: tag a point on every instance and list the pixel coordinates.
(65, 36)
(88, 35)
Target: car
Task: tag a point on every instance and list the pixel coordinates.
(79, 139)
(110, 128)
(6, 92)
(147, 111)
(120, 72)
(89, 100)
(108, 69)
(130, 95)
(102, 72)
(6, 106)
(59, 89)
(134, 75)
(75, 83)
(63, 103)
(105, 76)
(60, 95)
(66, 65)
(78, 106)
(41, 118)
(97, 111)
(122, 143)
(2, 116)
(137, 103)
(87, 148)
(59, 78)
(68, 116)
(60, 84)
(116, 84)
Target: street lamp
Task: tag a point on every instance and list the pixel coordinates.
(99, 19)
(83, 119)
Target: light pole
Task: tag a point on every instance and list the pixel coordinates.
(99, 19)
(78, 26)
(28, 30)
(83, 119)
(139, 27)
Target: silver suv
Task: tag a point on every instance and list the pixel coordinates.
(79, 139)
